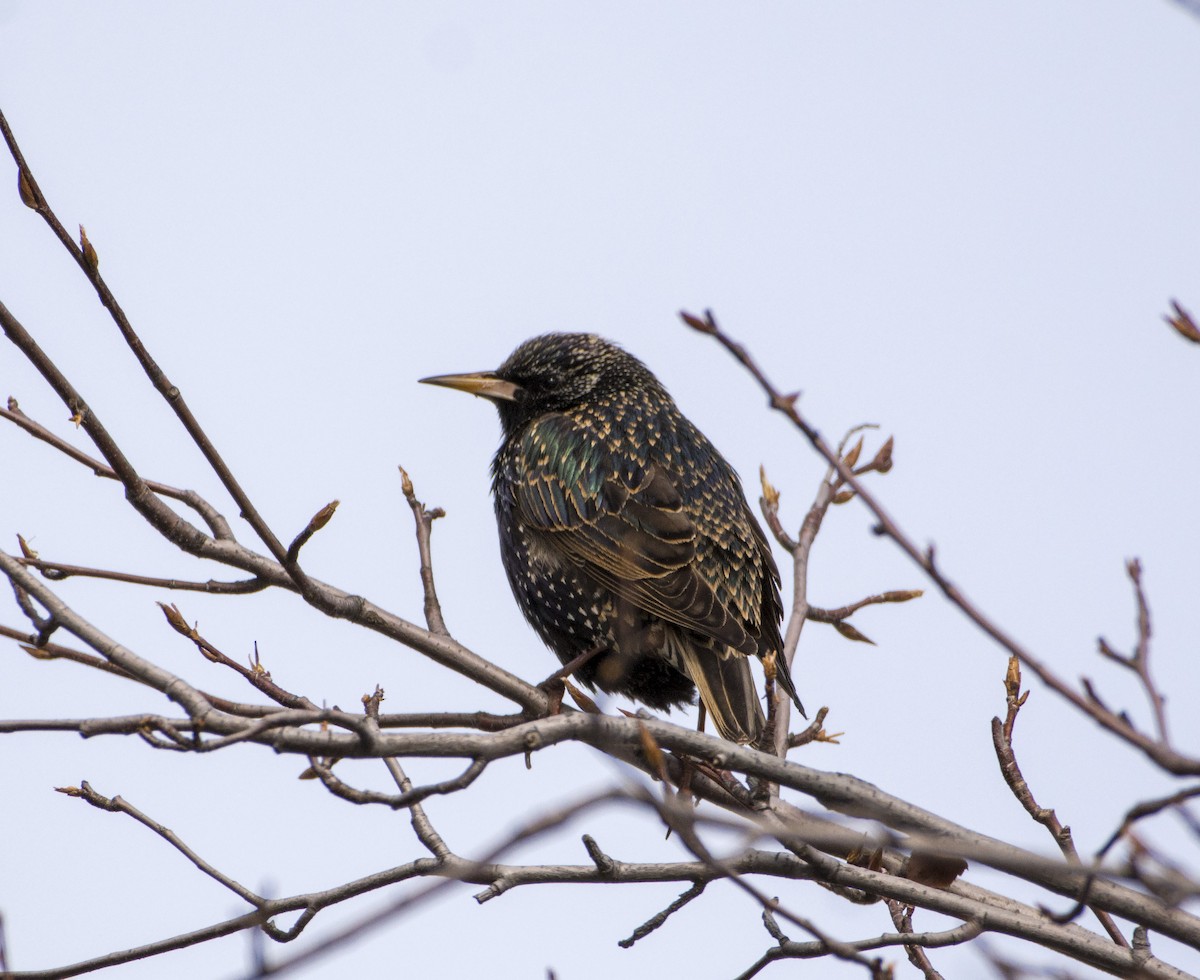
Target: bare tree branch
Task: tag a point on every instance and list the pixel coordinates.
(1157, 750)
(1002, 733)
(869, 845)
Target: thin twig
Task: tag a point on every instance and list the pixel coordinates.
(1139, 660)
(815, 950)
(57, 572)
(118, 805)
(828, 493)
(424, 524)
(316, 522)
(1160, 753)
(255, 674)
(844, 612)
(421, 824)
(216, 522)
(397, 801)
(655, 921)
(902, 919)
(815, 732)
(170, 393)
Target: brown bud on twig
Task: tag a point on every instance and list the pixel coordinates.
(770, 494)
(852, 457)
(1183, 323)
(326, 763)
(850, 633)
(175, 618)
(89, 251)
(901, 595)
(843, 496)
(704, 326)
(654, 754)
(27, 551)
(1012, 683)
(883, 459)
(25, 190)
(785, 402)
(585, 703)
(323, 516)
(318, 521)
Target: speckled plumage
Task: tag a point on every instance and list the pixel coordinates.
(621, 525)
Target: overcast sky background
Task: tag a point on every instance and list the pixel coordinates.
(960, 221)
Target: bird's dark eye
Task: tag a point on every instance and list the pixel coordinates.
(540, 385)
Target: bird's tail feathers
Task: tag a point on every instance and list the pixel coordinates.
(783, 677)
(726, 689)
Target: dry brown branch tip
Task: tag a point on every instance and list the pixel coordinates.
(371, 702)
(815, 732)
(1183, 323)
(88, 250)
(850, 633)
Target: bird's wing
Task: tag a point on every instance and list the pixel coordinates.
(623, 523)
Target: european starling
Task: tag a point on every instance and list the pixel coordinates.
(624, 532)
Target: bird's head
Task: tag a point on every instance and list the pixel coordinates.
(555, 372)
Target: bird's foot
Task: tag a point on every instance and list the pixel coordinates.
(572, 665)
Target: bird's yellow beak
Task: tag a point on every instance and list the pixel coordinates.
(485, 384)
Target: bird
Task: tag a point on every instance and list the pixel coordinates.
(626, 535)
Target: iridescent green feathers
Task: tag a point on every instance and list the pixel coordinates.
(631, 530)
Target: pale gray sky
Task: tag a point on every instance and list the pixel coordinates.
(960, 221)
